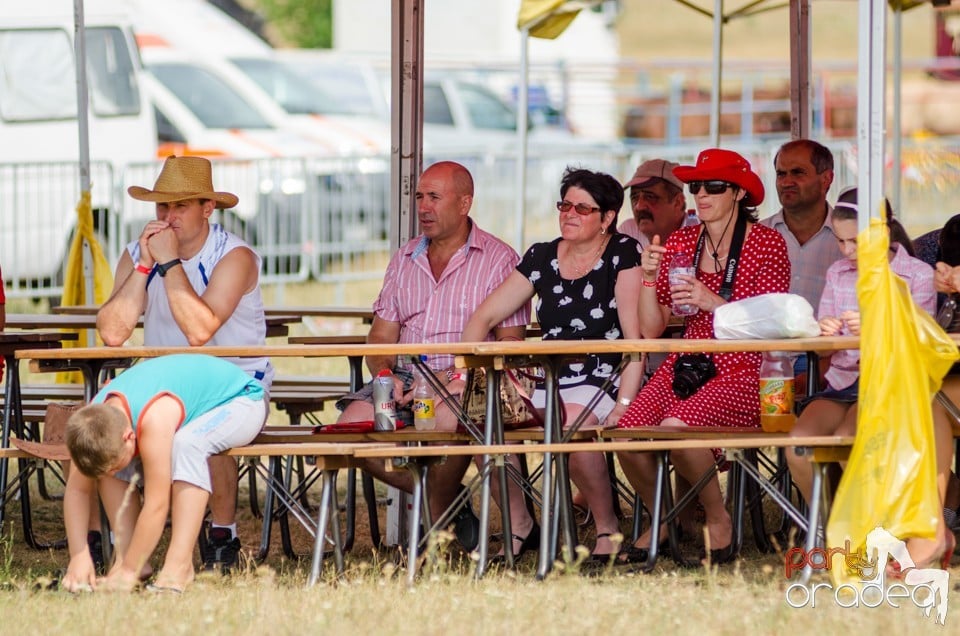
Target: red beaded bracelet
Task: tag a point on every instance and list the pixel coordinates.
(649, 283)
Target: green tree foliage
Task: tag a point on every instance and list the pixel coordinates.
(299, 23)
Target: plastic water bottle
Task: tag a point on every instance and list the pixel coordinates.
(682, 265)
(424, 414)
(384, 406)
(776, 392)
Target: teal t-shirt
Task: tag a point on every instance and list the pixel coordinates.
(199, 382)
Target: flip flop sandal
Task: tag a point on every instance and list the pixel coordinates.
(162, 589)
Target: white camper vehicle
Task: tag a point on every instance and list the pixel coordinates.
(39, 146)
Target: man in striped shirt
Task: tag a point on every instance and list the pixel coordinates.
(432, 286)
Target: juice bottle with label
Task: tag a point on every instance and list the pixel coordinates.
(776, 392)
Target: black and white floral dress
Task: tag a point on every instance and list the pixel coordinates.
(584, 308)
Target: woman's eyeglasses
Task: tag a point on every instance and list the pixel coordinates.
(582, 208)
(712, 187)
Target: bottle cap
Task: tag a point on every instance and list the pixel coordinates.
(383, 373)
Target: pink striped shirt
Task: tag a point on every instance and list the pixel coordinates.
(430, 310)
(840, 295)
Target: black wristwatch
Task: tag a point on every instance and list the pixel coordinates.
(163, 268)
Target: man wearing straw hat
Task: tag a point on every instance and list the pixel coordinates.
(195, 284)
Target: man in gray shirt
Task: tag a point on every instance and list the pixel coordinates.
(804, 175)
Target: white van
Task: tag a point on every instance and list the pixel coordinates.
(39, 147)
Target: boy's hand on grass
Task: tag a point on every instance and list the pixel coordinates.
(81, 575)
(120, 579)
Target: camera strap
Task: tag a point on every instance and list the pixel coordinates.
(733, 258)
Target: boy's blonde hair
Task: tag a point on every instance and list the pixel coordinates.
(95, 438)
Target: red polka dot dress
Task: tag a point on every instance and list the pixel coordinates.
(731, 398)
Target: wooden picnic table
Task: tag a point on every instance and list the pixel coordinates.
(278, 325)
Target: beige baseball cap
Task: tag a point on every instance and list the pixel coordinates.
(649, 171)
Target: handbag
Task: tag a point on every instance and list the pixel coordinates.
(516, 387)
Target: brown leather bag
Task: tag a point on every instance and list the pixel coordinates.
(516, 389)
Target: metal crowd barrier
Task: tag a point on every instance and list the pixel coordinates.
(327, 219)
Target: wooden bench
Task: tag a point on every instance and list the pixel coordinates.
(822, 449)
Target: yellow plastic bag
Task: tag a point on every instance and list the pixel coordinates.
(890, 480)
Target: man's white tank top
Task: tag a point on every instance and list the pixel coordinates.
(246, 326)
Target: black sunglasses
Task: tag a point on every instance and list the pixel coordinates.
(712, 187)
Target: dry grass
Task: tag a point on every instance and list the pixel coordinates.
(373, 596)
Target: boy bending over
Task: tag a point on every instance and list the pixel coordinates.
(158, 422)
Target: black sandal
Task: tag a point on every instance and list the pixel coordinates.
(604, 558)
(527, 543)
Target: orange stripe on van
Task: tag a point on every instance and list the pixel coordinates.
(169, 149)
(150, 39)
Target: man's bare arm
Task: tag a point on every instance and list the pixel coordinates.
(199, 317)
(382, 332)
(118, 317)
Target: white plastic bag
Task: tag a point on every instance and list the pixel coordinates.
(766, 316)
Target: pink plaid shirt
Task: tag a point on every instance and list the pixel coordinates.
(840, 295)
(430, 310)
(808, 262)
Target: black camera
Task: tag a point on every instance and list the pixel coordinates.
(690, 372)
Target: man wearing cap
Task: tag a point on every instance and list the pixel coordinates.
(195, 284)
(657, 203)
(804, 175)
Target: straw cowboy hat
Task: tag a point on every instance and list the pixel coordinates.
(716, 164)
(53, 446)
(184, 178)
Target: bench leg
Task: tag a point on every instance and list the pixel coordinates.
(483, 548)
(268, 498)
(351, 508)
(328, 515)
(11, 400)
(813, 522)
(656, 510)
(419, 475)
(370, 496)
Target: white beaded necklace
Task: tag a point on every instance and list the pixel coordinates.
(580, 272)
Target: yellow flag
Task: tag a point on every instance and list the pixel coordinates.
(74, 284)
(546, 18)
(890, 480)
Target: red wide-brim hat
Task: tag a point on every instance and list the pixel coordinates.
(717, 164)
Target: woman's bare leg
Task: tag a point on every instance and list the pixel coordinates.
(821, 417)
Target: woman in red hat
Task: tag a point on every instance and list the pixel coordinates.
(734, 258)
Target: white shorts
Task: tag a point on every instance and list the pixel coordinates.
(580, 395)
(227, 426)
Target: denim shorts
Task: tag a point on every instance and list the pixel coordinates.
(841, 396)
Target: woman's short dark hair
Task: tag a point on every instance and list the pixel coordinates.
(605, 190)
